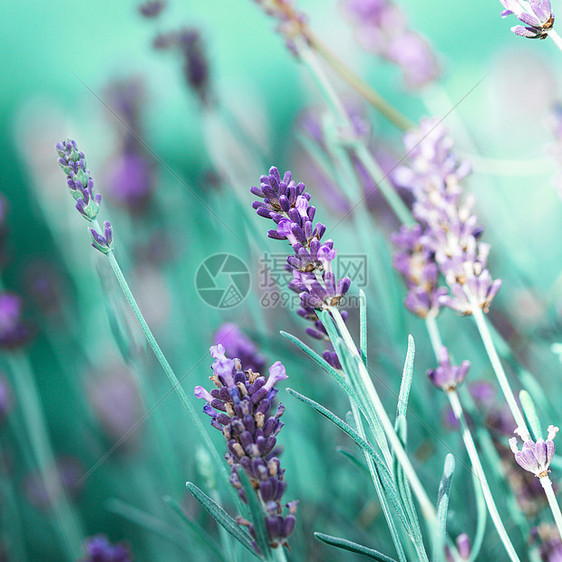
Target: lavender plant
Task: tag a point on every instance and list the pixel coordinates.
(240, 408)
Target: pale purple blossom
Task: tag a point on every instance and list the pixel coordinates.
(448, 376)
(535, 456)
(535, 14)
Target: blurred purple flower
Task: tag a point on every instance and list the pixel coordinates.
(44, 490)
(99, 549)
(535, 14)
(45, 285)
(448, 235)
(152, 8)
(382, 28)
(130, 181)
(237, 344)
(116, 401)
(14, 332)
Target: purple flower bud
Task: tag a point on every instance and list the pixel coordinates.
(99, 549)
(535, 457)
(447, 376)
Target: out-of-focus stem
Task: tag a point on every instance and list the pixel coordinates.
(358, 147)
(556, 38)
(498, 369)
(477, 466)
(25, 389)
(551, 497)
(358, 84)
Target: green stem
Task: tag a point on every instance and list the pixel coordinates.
(25, 389)
(359, 148)
(551, 497)
(166, 367)
(376, 482)
(417, 487)
(498, 369)
(477, 466)
(279, 554)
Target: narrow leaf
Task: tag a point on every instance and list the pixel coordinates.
(257, 514)
(147, 521)
(407, 377)
(320, 361)
(357, 462)
(198, 532)
(381, 467)
(344, 544)
(531, 415)
(222, 517)
(363, 325)
(444, 491)
(442, 507)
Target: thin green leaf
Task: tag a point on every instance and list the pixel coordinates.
(350, 366)
(344, 544)
(356, 461)
(381, 467)
(442, 506)
(363, 325)
(405, 491)
(531, 415)
(147, 521)
(198, 532)
(319, 360)
(407, 377)
(481, 516)
(257, 514)
(222, 517)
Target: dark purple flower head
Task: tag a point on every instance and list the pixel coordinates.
(535, 14)
(6, 399)
(99, 549)
(152, 8)
(535, 457)
(287, 204)
(241, 408)
(189, 43)
(237, 344)
(14, 332)
(447, 376)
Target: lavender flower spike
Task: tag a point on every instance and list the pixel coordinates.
(240, 408)
(81, 186)
(79, 180)
(447, 376)
(535, 457)
(535, 14)
(287, 204)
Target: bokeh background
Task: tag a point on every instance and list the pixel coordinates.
(59, 61)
